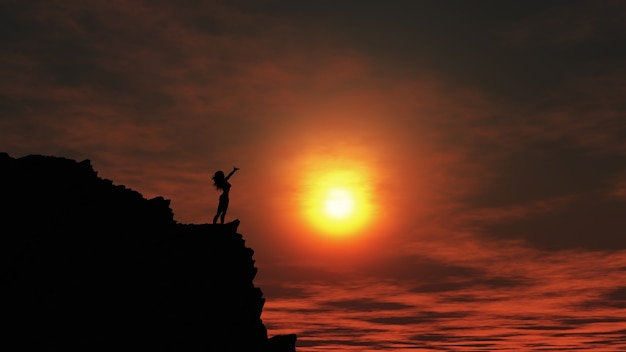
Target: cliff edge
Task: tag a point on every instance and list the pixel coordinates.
(93, 266)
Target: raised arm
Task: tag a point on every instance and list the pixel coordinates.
(231, 173)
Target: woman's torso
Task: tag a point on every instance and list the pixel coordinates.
(225, 189)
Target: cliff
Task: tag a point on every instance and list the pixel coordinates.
(93, 266)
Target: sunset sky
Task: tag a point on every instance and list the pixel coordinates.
(473, 153)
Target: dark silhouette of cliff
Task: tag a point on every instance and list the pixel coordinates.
(92, 266)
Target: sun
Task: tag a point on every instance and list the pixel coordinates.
(337, 203)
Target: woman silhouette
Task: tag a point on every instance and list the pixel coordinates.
(221, 182)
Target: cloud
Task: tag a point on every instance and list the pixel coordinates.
(424, 317)
(612, 298)
(463, 285)
(563, 26)
(551, 175)
(592, 221)
(362, 304)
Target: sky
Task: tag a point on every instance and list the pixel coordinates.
(482, 145)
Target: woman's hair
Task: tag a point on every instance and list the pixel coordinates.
(218, 179)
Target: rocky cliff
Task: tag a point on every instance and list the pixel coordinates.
(93, 266)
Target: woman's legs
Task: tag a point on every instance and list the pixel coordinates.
(222, 207)
(215, 217)
(222, 217)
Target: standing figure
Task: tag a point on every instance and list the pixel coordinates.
(221, 183)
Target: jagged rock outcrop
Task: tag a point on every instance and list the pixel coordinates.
(92, 266)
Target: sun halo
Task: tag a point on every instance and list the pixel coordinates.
(337, 203)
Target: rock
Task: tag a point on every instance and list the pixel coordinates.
(93, 266)
(282, 343)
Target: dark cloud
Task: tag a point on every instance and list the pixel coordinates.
(416, 268)
(592, 221)
(613, 298)
(362, 304)
(441, 337)
(576, 322)
(547, 170)
(299, 274)
(422, 317)
(463, 284)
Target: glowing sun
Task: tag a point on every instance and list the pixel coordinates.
(337, 203)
